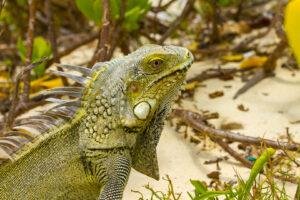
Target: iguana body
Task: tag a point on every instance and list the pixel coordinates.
(116, 126)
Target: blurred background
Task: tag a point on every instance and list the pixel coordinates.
(245, 79)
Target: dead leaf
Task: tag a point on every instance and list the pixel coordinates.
(231, 126)
(216, 94)
(214, 175)
(254, 61)
(242, 108)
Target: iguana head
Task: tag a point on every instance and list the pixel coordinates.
(135, 92)
(154, 80)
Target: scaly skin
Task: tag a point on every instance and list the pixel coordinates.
(117, 127)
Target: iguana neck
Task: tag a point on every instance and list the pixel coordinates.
(101, 126)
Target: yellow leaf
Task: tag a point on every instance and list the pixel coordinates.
(193, 46)
(2, 95)
(37, 83)
(233, 58)
(292, 28)
(57, 82)
(191, 86)
(254, 61)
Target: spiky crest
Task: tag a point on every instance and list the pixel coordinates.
(26, 130)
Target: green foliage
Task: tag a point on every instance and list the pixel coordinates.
(92, 9)
(206, 8)
(202, 193)
(41, 48)
(225, 2)
(242, 191)
(135, 11)
(265, 190)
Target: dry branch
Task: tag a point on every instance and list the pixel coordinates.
(29, 44)
(117, 29)
(216, 73)
(14, 99)
(52, 36)
(177, 21)
(266, 71)
(103, 48)
(194, 120)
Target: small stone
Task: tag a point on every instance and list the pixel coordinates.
(86, 131)
(106, 105)
(96, 111)
(91, 130)
(98, 97)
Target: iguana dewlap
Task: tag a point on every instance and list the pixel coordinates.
(88, 143)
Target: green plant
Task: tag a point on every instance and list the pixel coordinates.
(135, 11)
(41, 48)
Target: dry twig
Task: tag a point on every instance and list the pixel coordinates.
(15, 100)
(194, 120)
(103, 48)
(117, 29)
(177, 21)
(52, 36)
(266, 71)
(216, 73)
(270, 65)
(29, 44)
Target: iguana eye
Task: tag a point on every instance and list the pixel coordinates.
(156, 63)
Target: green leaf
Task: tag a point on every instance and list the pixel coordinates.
(224, 2)
(256, 169)
(212, 194)
(92, 9)
(41, 48)
(135, 11)
(21, 49)
(200, 188)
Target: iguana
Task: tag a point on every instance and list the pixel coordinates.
(89, 142)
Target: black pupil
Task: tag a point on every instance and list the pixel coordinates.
(156, 63)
